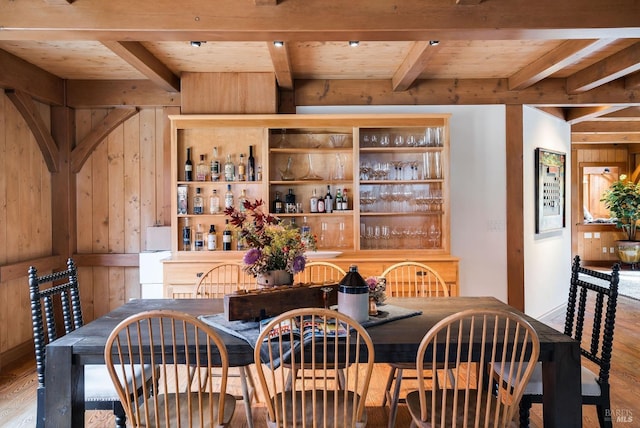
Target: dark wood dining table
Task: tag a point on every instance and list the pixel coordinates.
(395, 341)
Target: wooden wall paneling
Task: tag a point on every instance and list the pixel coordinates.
(132, 194)
(100, 220)
(3, 181)
(116, 223)
(147, 175)
(163, 145)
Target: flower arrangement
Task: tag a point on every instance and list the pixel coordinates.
(272, 244)
(377, 286)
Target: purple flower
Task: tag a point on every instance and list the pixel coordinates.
(372, 283)
(298, 264)
(252, 256)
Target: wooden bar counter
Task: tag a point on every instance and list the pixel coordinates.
(181, 271)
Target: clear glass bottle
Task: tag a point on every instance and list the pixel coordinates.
(212, 239)
(242, 169)
(242, 199)
(198, 202)
(199, 241)
(259, 173)
(186, 236)
(229, 169)
(226, 236)
(345, 200)
(305, 232)
(313, 202)
(201, 170)
(214, 202)
(228, 197)
(240, 242)
(215, 166)
(188, 167)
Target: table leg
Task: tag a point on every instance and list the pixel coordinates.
(64, 389)
(562, 398)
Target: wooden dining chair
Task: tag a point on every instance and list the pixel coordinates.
(590, 319)
(320, 273)
(408, 279)
(221, 279)
(467, 397)
(60, 299)
(150, 336)
(316, 399)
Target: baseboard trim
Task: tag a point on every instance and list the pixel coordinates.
(554, 313)
(16, 354)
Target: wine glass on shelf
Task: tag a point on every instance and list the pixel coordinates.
(311, 174)
(283, 143)
(434, 235)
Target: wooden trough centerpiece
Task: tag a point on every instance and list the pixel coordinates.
(254, 305)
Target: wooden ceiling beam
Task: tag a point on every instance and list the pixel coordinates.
(113, 93)
(84, 148)
(27, 108)
(618, 65)
(280, 57)
(548, 93)
(580, 114)
(630, 126)
(330, 20)
(146, 63)
(59, 2)
(590, 138)
(413, 65)
(632, 81)
(629, 113)
(18, 74)
(567, 53)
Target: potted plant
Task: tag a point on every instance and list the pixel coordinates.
(622, 199)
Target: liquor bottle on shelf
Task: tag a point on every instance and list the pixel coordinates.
(313, 202)
(259, 173)
(242, 199)
(321, 205)
(290, 202)
(240, 242)
(201, 170)
(215, 166)
(186, 236)
(251, 166)
(277, 204)
(198, 202)
(338, 200)
(305, 232)
(242, 169)
(212, 239)
(228, 197)
(229, 169)
(328, 201)
(226, 236)
(183, 204)
(199, 241)
(345, 200)
(214, 202)
(188, 167)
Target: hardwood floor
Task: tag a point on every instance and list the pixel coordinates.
(18, 385)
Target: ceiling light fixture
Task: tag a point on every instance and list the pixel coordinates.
(196, 43)
(278, 43)
(354, 43)
(434, 42)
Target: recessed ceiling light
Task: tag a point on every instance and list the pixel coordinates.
(278, 43)
(196, 43)
(354, 43)
(434, 42)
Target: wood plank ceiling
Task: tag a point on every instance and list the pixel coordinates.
(579, 59)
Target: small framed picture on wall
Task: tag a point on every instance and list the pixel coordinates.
(550, 190)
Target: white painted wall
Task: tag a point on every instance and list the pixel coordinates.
(547, 256)
(478, 201)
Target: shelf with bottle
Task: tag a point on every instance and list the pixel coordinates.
(204, 164)
(313, 199)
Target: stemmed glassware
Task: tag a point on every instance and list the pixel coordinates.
(434, 235)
